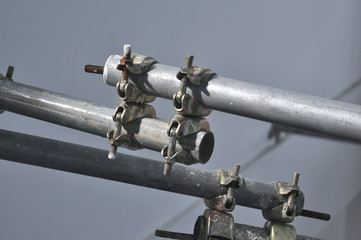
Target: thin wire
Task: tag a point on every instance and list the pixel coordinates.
(347, 90)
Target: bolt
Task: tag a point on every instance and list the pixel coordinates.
(189, 61)
(117, 131)
(127, 49)
(291, 198)
(167, 168)
(93, 69)
(230, 191)
(170, 151)
(9, 73)
(296, 176)
(236, 170)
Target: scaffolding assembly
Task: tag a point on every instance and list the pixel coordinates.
(186, 139)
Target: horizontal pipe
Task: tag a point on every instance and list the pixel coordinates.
(320, 115)
(144, 172)
(151, 133)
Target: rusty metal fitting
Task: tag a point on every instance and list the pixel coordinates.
(124, 114)
(169, 159)
(183, 103)
(125, 61)
(114, 135)
(128, 92)
(185, 126)
(180, 127)
(93, 69)
(226, 202)
(187, 69)
(133, 111)
(286, 212)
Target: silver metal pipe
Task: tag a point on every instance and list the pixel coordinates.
(320, 115)
(144, 172)
(96, 119)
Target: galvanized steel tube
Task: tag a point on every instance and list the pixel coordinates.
(320, 115)
(88, 161)
(96, 119)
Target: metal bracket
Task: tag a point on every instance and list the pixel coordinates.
(183, 103)
(137, 64)
(187, 125)
(128, 92)
(226, 202)
(200, 76)
(196, 75)
(285, 212)
(133, 111)
(228, 178)
(124, 114)
(186, 105)
(188, 121)
(284, 188)
(132, 102)
(141, 64)
(181, 126)
(279, 214)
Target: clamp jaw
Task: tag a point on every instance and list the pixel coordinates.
(132, 106)
(286, 212)
(231, 180)
(189, 118)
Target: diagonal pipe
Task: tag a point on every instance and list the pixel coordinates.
(319, 115)
(151, 133)
(69, 157)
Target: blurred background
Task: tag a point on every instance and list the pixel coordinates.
(310, 47)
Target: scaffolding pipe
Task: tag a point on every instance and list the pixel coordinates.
(320, 115)
(53, 154)
(96, 119)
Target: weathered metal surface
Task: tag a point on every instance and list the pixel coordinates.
(319, 115)
(183, 103)
(226, 202)
(141, 64)
(280, 231)
(187, 125)
(96, 119)
(279, 214)
(221, 203)
(134, 170)
(246, 232)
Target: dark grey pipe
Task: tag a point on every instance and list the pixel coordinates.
(320, 115)
(96, 119)
(93, 162)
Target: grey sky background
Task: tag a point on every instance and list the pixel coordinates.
(306, 46)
